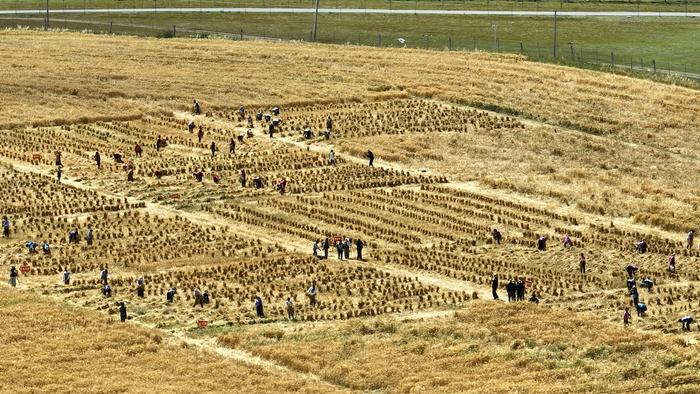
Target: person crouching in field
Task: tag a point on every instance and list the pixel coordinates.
(496, 236)
(542, 243)
(312, 293)
(259, 311)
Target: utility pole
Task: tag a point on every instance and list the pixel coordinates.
(47, 14)
(313, 32)
(555, 34)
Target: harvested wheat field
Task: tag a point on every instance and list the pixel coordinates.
(204, 231)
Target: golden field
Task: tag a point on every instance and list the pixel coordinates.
(464, 143)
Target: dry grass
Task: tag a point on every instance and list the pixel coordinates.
(427, 234)
(114, 82)
(51, 347)
(506, 348)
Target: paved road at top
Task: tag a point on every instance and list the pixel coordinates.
(581, 14)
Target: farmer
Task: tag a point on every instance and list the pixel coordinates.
(205, 297)
(13, 276)
(130, 171)
(140, 287)
(331, 158)
(107, 290)
(370, 156)
(73, 236)
(647, 283)
(250, 122)
(542, 243)
(66, 277)
(198, 300)
(631, 270)
(690, 239)
(315, 249)
(510, 289)
(339, 248)
(626, 317)
(232, 146)
(159, 143)
(312, 293)
(496, 236)
(212, 147)
(199, 175)
(289, 308)
(582, 264)
(641, 246)
(122, 312)
(170, 295)
(58, 159)
(104, 275)
(641, 309)
(326, 246)
(686, 321)
(568, 242)
(520, 289)
(191, 126)
(271, 129)
(672, 263)
(197, 108)
(359, 245)
(494, 286)
(98, 160)
(329, 124)
(243, 178)
(138, 150)
(5, 227)
(46, 248)
(31, 247)
(259, 307)
(89, 237)
(200, 134)
(346, 249)
(59, 172)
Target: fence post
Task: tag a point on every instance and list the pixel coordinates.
(380, 39)
(110, 27)
(174, 31)
(449, 43)
(521, 48)
(498, 45)
(653, 64)
(241, 34)
(612, 58)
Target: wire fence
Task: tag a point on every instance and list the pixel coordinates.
(568, 53)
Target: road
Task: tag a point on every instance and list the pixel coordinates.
(579, 14)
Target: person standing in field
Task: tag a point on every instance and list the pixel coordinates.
(200, 134)
(690, 239)
(329, 124)
(197, 107)
(520, 289)
(89, 236)
(370, 156)
(271, 129)
(13, 276)
(66, 277)
(494, 287)
(672, 263)
(104, 275)
(232, 147)
(346, 249)
(138, 150)
(243, 177)
(331, 158)
(339, 248)
(626, 317)
(213, 148)
(140, 287)
(315, 249)
(510, 289)
(5, 227)
(312, 293)
(58, 158)
(98, 160)
(582, 264)
(259, 307)
(359, 245)
(198, 299)
(289, 308)
(59, 172)
(122, 312)
(326, 246)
